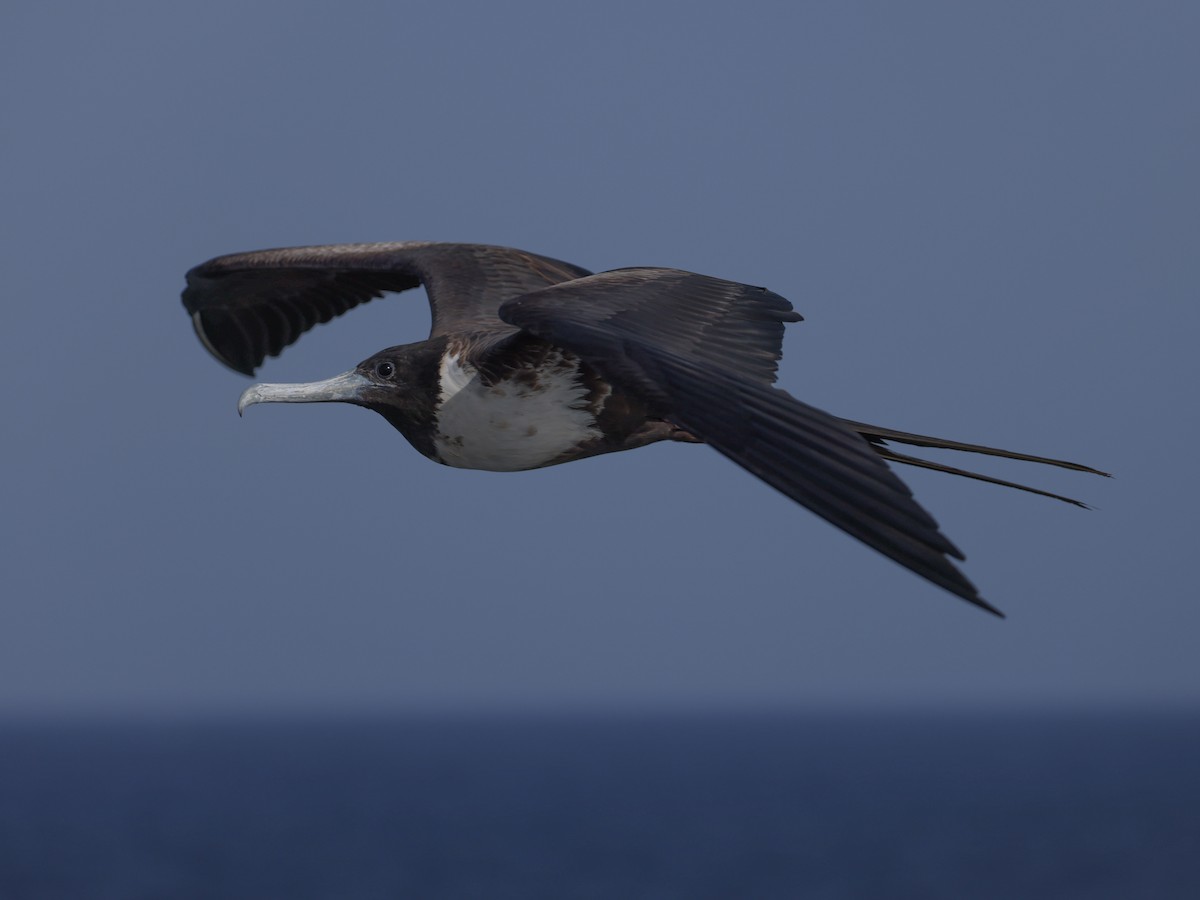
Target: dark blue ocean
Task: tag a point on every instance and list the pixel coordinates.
(560, 807)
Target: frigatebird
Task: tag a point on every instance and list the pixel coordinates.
(532, 362)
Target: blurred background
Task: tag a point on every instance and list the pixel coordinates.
(644, 674)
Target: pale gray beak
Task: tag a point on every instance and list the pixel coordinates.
(346, 388)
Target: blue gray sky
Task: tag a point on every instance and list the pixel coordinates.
(989, 215)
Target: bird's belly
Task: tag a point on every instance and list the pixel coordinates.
(518, 423)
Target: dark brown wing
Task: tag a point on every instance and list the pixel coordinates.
(714, 322)
(704, 351)
(247, 306)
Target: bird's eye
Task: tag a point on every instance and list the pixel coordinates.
(385, 369)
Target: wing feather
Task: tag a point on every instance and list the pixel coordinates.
(248, 306)
(662, 334)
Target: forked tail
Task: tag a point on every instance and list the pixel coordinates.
(877, 437)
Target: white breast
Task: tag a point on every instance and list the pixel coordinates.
(513, 424)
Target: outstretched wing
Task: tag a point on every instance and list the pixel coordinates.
(714, 322)
(247, 306)
(705, 351)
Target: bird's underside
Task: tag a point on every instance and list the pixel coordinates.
(532, 361)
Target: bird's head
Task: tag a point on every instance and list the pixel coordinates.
(399, 383)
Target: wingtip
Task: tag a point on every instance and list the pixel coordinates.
(987, 607)
(967, 592)
(242, 368)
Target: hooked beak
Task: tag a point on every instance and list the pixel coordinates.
(345, 388)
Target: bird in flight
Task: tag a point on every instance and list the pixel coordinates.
(532, 362)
